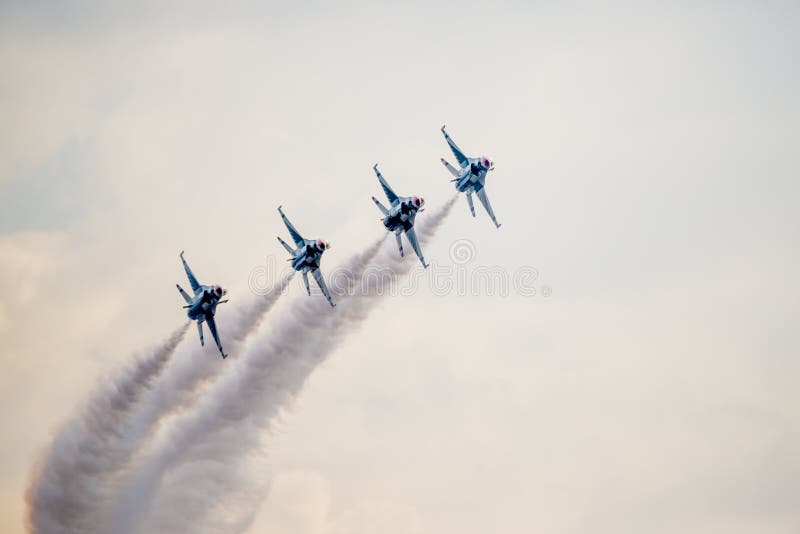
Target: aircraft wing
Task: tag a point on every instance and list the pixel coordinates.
(462, 159)
(391, 195)
(212, 325)
(298, 239)
(412, 238)
(321, 283)
(190, 275)
(481, 193)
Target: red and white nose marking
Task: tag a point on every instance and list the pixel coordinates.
(417, 201)
(486, 163)
(218, 290)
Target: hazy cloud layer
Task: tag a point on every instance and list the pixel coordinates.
(646, 167)
(226, 426)
(65, 487)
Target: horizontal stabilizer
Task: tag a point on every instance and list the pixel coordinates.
(185, 296)
(287, 247)
(380, 206)
(452, 169)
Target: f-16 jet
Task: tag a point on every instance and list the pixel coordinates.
(202, 305)
(306, 256)
(470, 177)
(400, 216)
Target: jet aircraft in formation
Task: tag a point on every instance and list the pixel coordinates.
(306, 256)
(202, 305)
(470, 177)
(399, 218)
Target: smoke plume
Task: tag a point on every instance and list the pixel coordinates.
(193, 477)
(63, 490)
(70, 489)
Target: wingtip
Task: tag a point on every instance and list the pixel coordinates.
(181, 254)
(443, 126)
(375, 167)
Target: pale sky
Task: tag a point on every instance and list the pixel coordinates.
(646, 166)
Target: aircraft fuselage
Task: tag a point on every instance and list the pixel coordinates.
(472, 177)
(307, 256)
(203, 305)
(401, 216)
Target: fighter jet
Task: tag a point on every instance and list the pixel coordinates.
(470, 177)
(400, 216)
(306, 256)
(203, 305)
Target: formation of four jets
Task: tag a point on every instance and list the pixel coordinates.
(399, 217)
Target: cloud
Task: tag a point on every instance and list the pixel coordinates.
(68, 483)
(301, 502)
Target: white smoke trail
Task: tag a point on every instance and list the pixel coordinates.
(63, 489)
(190, 479)
(183, 382)
(176, 388)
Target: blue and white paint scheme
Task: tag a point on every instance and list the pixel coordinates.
(470, 177)
(202, 305)
(306, 256)
(400, 216)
